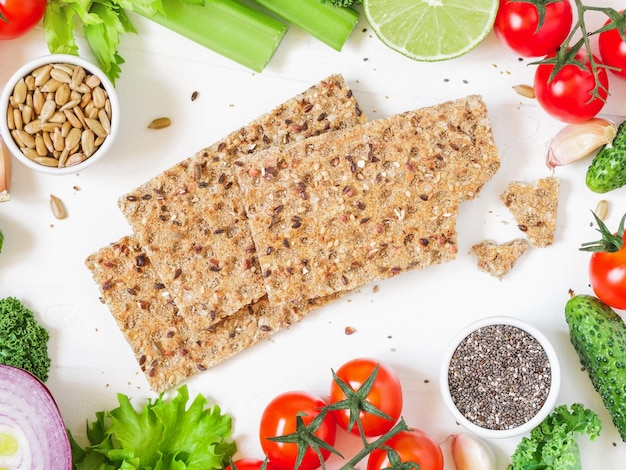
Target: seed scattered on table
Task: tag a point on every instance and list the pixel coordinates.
(159, 123)
(57, 207)
(499, 377)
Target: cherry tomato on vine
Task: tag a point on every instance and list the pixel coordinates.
(516, 27)
(17, 17)
(250, 464)
(412, 446)
(568, 97)
(612, 49)
(607, 265)
(279, 419)
(385, 394)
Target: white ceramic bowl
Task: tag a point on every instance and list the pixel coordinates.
(549, 403)
(26, 70)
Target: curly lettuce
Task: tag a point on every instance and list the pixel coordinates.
(553, 445)
(162, 435)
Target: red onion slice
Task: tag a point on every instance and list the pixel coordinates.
(30, 419)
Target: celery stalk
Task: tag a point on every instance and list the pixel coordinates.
(330, 24)
(228, 27)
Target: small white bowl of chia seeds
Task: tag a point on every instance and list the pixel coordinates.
(60, 114)
(500, 377)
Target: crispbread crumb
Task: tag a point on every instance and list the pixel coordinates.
(534, 207)
(499, 259)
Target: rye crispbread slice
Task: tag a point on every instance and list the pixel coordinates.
(144, 312)
(166, 349)
(498, 259)
(190, 218)
(356, 205)
(534, 207)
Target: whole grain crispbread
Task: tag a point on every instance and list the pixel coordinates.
(190, 218)
(534, 207)
(166, 349)
(144, 312)
(336, 211)
(498, 259)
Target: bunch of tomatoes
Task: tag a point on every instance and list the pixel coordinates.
(298, 428)
(567, 95)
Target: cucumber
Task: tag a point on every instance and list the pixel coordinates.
(608, 168)
(598, 335)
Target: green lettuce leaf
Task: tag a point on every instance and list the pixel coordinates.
(162, 435)
(553, 445)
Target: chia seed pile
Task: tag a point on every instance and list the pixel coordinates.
(499, 377)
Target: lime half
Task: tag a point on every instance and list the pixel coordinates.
(431, 30)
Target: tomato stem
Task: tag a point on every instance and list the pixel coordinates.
(566, 54)
(609, 243)
(377, 444)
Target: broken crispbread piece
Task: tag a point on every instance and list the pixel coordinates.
(534, 207)
(144, 312)
(349, 207)
(191, 221)
(498, 259)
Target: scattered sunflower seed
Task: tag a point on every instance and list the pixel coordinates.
(159, 123)
(525, 90)
(58, 208)
(602, 209)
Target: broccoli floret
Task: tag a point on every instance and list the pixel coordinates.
(23, 341)
(343, 3)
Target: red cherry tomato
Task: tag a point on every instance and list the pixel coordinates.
(250, 464)
(607, 276)
(17, 17)
(385, 395)
(279, 419)
(412, 446)
(568, 96)
(516, 27)
(612, 50)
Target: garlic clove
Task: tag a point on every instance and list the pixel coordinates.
(5, 173)
(577, 141)
(472, 453)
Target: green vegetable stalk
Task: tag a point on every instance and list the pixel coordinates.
(23, 341)
(162, 435)
(229, 27)
(323, 21)
(553, 445)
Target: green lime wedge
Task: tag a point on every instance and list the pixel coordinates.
(431, 30)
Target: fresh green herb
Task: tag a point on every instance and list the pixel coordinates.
(1, 240)
(553, 445)
(229, 27)
(343, 3)
(23, 341)
(323, 21)
(566, 54)
(163, 434)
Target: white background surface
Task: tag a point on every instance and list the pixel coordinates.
(406, 322)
